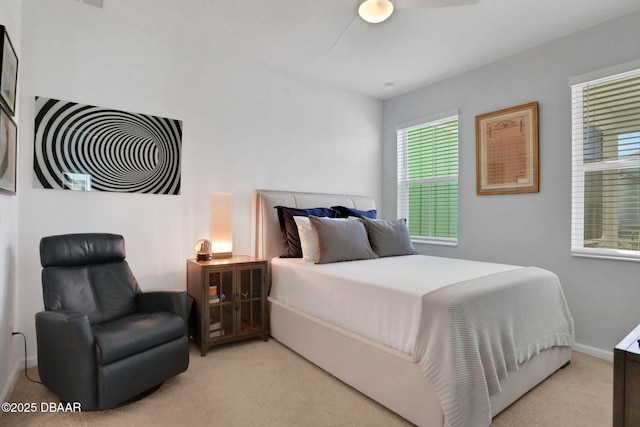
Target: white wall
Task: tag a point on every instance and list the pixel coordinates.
(532, 229)
(244, 127)
(10, 11)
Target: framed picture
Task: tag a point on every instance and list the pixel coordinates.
(507, 151)
(8, 138)
(8, 71)
(84, 147)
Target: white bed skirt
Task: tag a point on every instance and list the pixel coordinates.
(388, 376)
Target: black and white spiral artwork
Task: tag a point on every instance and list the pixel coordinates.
(83, 147)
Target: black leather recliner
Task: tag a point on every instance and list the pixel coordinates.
(101, 341)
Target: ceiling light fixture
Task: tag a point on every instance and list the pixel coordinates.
(375, 11)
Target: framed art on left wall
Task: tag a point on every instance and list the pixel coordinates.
(85, 147)
(8, 138)
(8, 71)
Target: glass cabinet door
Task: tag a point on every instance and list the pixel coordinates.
(221, 319)
(251, 286)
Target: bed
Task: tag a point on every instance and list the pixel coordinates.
(410, 354)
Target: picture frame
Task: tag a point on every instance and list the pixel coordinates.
(8, 72)
(8, 148)
(507, 151)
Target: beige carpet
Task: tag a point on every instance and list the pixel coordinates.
(254, 383)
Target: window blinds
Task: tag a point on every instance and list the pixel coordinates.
(428, 179)
(606, 167)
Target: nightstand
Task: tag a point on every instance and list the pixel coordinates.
(229, 299)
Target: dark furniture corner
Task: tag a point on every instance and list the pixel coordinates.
(626, 381)
(101, 341)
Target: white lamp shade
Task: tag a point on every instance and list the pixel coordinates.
(375, 11)
(221, 225)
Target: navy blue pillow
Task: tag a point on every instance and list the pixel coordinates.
(345, 212)
(293, 249)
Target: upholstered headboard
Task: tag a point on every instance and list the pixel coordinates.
(268, 240)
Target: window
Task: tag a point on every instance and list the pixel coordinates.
(428, 179)
(606, 167)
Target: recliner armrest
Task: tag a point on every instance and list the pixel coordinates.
(172, 301)
(66, 356)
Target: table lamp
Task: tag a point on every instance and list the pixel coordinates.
(221, 225)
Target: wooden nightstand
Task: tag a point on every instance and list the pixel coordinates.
(229, 299)
(626, 381)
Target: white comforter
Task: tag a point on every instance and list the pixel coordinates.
(379, 299)
(465, 337)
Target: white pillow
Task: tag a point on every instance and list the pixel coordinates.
(307, 238)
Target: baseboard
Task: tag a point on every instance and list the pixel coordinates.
(18, 368)
(11, 381)
(595, 352)
(32, 361)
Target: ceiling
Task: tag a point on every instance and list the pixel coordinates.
(413, 48)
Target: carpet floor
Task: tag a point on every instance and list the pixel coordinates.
(254, 383)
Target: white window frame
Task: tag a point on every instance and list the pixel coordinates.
(579, 168)
(403, 181)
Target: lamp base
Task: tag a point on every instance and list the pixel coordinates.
(218, 255)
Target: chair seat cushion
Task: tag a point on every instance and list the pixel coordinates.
(135, 333)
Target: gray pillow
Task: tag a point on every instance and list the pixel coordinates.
(389, 237)
(340, 240)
